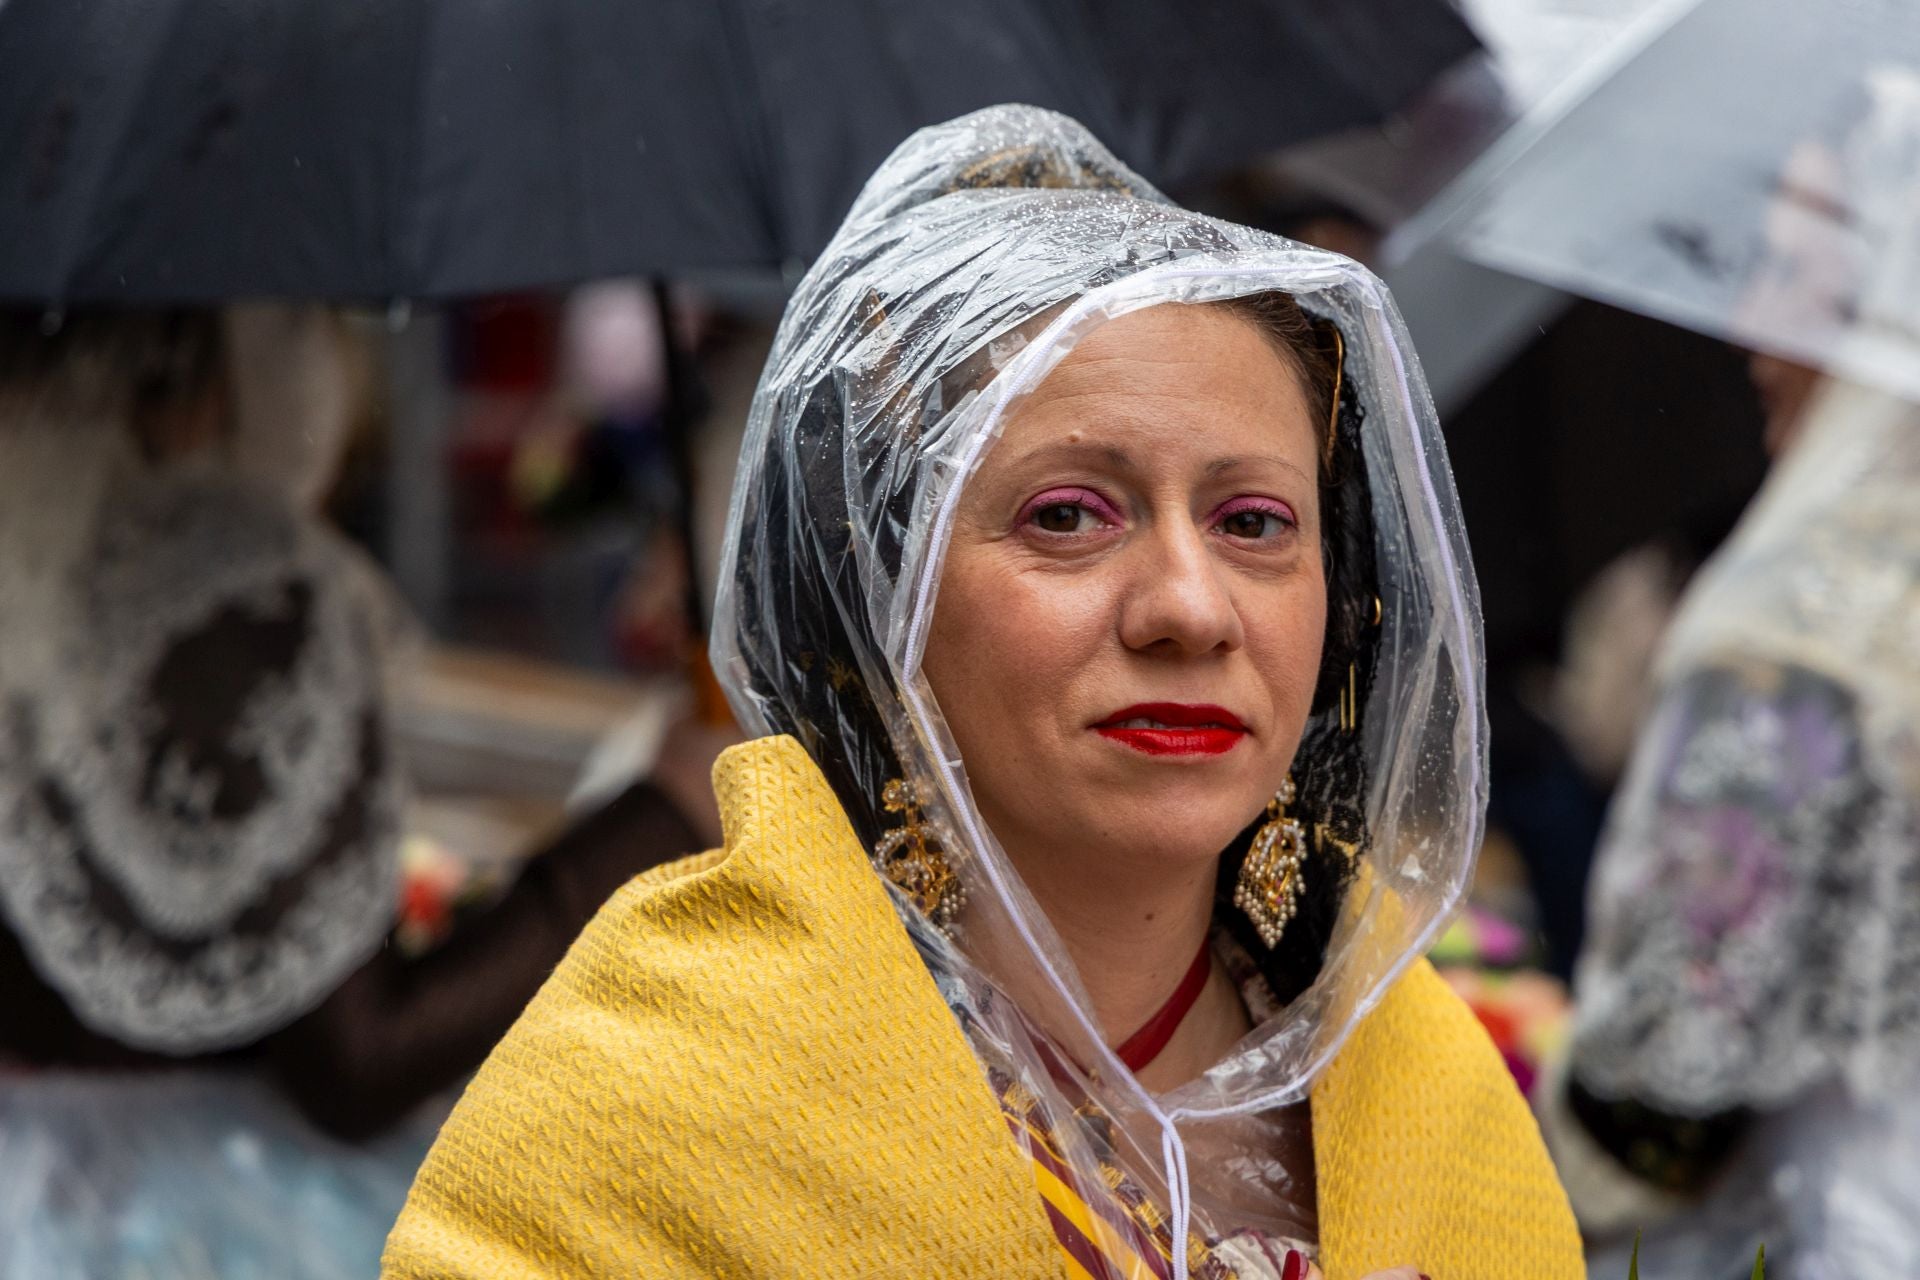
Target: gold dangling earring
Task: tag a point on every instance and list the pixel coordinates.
(1271, 879)
(908, 856)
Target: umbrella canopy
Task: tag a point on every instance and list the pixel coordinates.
(1750, 170)
(189, 150)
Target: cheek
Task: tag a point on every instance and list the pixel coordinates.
(1284, 639)
(1005, 644)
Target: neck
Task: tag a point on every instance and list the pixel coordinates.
(1132, 938)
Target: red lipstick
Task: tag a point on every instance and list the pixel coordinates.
(1174, 729)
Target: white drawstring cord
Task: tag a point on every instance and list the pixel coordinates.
(1173, 1155)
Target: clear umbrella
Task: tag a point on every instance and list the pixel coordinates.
(1535, 51)
(1751, 171)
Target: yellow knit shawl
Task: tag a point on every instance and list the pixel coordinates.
(742, 1068)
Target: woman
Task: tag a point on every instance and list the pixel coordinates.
(1742, 1071)
(200, 819)
(1077, 539)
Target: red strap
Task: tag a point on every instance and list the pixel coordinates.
(1144, 1045)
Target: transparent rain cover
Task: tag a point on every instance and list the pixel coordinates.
(975, 258)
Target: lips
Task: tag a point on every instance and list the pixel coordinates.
(1174, 729)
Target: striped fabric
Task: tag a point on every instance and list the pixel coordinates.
(1111, 1230)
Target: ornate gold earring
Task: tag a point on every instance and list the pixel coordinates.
(910, 857)
(1271, 879)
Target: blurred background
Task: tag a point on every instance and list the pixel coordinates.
(371, 377)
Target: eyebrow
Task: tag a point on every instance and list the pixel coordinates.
(1220, 466)
(1112, 454)
(1117, 457)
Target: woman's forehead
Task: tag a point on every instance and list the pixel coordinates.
(1139, 449)
(1169, 376)
(1168, 348)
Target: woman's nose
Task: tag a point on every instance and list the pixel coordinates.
(1178, 597)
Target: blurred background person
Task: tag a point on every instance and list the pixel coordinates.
(202, 810)
(1742, 1070)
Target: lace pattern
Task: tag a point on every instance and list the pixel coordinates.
(199, 809)
(1757, 902)
(1756, 941)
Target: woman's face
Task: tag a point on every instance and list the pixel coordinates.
(1129, 623)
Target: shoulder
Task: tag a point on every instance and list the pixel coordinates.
(529, 1176)
(1426, 1149)
(732, 1058)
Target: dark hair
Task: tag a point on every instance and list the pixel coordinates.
(142, 364)
(1329, 770)
(165, 354)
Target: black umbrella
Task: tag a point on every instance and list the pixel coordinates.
(191, 150)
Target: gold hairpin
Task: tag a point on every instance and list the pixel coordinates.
(1350, 696)
(1339, 370)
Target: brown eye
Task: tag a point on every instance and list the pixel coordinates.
(1246, 524)
(1061, 517)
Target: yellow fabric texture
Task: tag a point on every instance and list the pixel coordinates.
(742, 1068)
(1425, 1151)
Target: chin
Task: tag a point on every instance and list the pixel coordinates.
(1177, 823)
(1173, 844)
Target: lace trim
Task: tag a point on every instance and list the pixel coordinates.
(199, 808)
(1758, 915)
